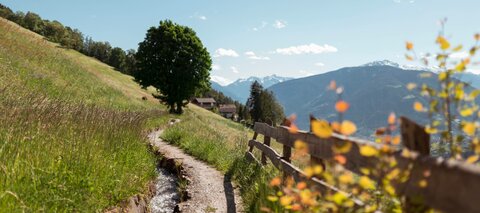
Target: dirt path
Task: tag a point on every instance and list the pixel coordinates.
(210, 190)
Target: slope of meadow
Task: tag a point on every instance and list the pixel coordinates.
(72, 131)
(71, 128)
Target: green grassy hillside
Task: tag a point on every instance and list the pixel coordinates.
(72, 132)
(71, 128)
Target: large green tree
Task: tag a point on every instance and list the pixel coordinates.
(173, 59)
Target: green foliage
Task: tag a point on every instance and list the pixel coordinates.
(117, 58)
(67, 157)
(71, 129)
(263, 106)
(173, 60)
(452, 104)
(130, 62)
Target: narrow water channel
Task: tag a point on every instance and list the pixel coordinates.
(166, 197)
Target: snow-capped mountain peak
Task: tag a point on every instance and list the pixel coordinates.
(265, 81)
(433, 69)
(381, 63)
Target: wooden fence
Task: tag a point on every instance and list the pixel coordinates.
(453, 186)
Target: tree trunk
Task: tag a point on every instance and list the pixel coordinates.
(172, 108)
(179, 108)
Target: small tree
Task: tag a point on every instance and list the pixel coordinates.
(173, 60)
(254, 102)
(130, 62)
(117, 59)
(263, 106)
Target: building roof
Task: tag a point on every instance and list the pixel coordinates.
(228, 108)
(205, 100)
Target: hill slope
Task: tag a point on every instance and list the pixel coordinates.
(72, 132)
(30, 63)
(70, 128)
(373, 91)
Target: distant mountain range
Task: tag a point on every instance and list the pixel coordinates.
(373, 91)
(240, 89)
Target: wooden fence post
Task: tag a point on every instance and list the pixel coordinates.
(414, 136)
(416, 139)
(314, 160)
(266, 141)
(255, 134)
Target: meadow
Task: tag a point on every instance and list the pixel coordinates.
(72, 132)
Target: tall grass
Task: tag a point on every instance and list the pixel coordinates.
(65, 156)
(223, 143)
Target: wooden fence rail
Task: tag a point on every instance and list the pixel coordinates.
(453, 186)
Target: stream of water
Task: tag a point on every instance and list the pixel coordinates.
(166, 197)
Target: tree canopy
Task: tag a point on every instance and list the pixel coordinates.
(263, 106)
(173, 59)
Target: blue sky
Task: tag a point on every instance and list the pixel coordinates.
(283, 37)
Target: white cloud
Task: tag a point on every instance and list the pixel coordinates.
(459, 55)
(198, 16)
(253, 56)
(319, 64)
(225, 52)
(234, 69)
(216, 67)
(476, 71)
(279, 24)
(220, 80)
(404, 1)
(263, 25)
(307, 49)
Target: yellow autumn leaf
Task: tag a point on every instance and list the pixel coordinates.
(348, 128)
(469, 128)
(346, 178)
(342, 148)
(339, 198)
(442, 76)
(366, 183)
(430, 130)
(458, 48)
(425, 75)
(396, 140)
(272, 198)
(408, 57)
(286, 200)
(417, 106)
(391, 118)
(443, 42)
(309, 172)
(368, 151)
(301, 185)
(474, 94)
(276, 181)
(466, 112)
(409, 45)
(389, 189)
(472, 159)
(411, 86)
(321, 128)
(317, 169)
(460, 66)
(423, 183)
(365, 171)
(477, 36)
